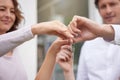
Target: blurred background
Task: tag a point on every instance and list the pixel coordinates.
(33, 52)
(62, 10)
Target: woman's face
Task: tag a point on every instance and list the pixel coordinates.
(7, 15)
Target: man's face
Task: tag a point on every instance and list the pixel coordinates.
(110, 11)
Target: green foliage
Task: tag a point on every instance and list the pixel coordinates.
(77, 49)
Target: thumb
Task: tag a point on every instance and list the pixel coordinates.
(61, 42)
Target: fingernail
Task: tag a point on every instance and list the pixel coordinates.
(77, 35)
(72, 36)
(71, 41)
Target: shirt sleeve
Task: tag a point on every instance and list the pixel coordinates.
(13, 39)
(117, 34)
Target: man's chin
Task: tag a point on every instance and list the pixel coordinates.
(110, 22)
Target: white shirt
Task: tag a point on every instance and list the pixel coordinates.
(117, 33)
(89, 57)
(11, 40)
(99, 60)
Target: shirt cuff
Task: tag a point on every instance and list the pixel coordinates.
(117, 34)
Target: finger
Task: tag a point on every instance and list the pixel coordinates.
(77, 39)
(60, 42)
(75, 18)
(66, 53)
(81, 21)
(63, 32)
(67, 34)
(60, 58)
(67, 47)
(73, 25)
(71, 30)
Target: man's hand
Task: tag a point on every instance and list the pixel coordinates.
(86, 29)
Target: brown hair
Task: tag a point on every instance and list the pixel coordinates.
(18, 15)
(96, 3)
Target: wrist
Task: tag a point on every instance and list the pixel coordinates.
(68, 71)
(69, 75)
(33, 30)
(51, 52)
(37, 29)
(108, 32)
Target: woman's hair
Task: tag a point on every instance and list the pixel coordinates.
(18, 15)
(96, 3)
